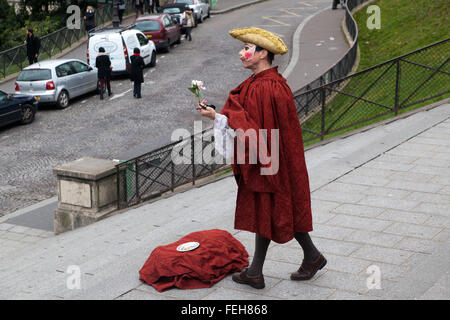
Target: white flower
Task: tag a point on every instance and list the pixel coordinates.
(198, 83)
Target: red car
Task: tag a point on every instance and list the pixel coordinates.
(162, 29)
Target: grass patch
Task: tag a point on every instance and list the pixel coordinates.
(405, 26)
(378, 87)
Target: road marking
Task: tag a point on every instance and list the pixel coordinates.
(296, 45)
(282, 23)
(119, 95)
(269, 25)
(291, 13)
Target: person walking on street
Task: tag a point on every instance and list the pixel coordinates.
(137, 76)
(188, 22)
(89, 18)
(103, 64)
(33, 46)
(121, 10)
(151, 6)
(273, 196)
(139, 7)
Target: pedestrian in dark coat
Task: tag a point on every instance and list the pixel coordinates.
(103, 64)
(90, 18)
(122, 7)
(139, 5)
(33, 46)
(136, 74)
(151, 6)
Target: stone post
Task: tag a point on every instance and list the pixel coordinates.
(87, 192)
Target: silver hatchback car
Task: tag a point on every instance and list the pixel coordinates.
(200, 8)
(57, 81)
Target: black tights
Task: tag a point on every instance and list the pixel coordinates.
(310, 252)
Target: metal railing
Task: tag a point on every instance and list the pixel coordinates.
(15, 59)
(155, 173)
(379, 92)
(328, 106)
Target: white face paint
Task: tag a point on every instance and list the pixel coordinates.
(247, 52)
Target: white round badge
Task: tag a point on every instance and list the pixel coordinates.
(188, 246)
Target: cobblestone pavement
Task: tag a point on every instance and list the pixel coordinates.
(122, 127)
(380, 209)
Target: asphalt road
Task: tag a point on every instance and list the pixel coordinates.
(121, 127)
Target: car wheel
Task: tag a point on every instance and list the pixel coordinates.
(179, 40)
(63, 99)
(209, 13)
(153, 60)
(167, 49)
(27, 114)
(201, 18)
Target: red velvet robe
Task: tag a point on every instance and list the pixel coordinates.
(274, 206)
(218, 255)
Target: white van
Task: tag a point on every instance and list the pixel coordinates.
(119, 45)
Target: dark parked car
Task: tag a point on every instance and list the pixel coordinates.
(162, 29)
(17, 107)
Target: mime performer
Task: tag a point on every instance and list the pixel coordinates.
(276, 205)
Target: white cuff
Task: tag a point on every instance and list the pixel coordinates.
(223, 136)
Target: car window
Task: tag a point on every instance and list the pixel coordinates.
(79, 67)
(35, 75)
(185, 1)
(3, 96)
(147, 25)
(172, 10)
(132, 41)
(64, 70)
(142, 40)
(167, 22)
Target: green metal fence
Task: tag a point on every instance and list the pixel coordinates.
(15, 59)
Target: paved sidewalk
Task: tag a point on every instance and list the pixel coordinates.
(322, 43)
(381, 199)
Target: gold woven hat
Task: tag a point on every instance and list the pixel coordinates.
(260, 37)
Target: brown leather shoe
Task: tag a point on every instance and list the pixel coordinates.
(308, 269)
(242, 277)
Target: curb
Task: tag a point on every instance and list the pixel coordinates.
(236, 7)
(296, 44)
(30, 208)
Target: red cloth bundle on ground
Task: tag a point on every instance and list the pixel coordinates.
(218, 255)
